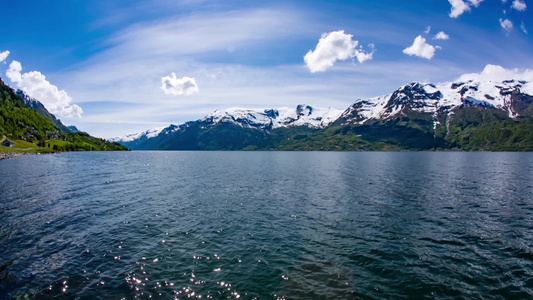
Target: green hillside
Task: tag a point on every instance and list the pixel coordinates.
(34, 133)
(17, 120)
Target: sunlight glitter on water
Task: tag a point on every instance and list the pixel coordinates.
(307, 226)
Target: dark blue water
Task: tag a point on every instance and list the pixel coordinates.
(267, 225)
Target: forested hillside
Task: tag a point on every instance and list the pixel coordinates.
(32, 132)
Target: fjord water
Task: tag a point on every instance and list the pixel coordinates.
(267, 225)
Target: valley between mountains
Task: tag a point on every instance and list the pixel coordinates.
(487, 111)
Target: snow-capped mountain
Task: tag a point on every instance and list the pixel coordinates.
(150, 133)
(267, 119)
(495, 87)
(262, 119)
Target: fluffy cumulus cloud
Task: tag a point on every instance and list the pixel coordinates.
(442, 36)
(461, 6)
(506, 24)
(421, 48)
(4, 55)
(172, 85)
(519, 5)
(334, 46)
(34, 84)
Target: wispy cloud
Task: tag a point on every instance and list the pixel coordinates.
(138, 55)
(506, 24)
(523, 27)
(198, 33)
(475, 2)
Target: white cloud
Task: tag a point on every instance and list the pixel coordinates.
(428, 30)
(13, 73)
(4, 55)
(421, 48)
(519, 5)
(34, 84)
(461, 6)
(334, 46)
(458, 8)
(523, 27)
(442, 36)
(506, 24)
(475, 2)
(172, 85)
(364, 56)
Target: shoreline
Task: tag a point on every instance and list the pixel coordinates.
(8, 155)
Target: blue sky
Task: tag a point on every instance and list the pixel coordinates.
(111, 57)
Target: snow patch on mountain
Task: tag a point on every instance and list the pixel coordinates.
(150, 133)
(28, 100)
(266, 119)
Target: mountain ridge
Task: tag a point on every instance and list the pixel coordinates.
(415, 111)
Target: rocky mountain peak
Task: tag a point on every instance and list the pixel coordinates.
(304, 110)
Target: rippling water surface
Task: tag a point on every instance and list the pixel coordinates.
(267, 225)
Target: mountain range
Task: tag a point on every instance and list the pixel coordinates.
(492, 110)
